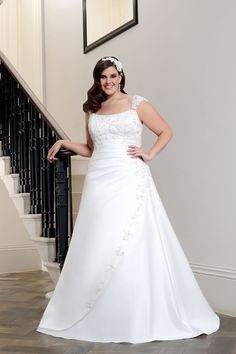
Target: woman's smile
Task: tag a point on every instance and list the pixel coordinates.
(110, 79)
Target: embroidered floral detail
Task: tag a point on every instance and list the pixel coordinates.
(111, 267)
(143, 175)
(103, 128)
(89, 305)
(98, 289)
(119, 251)
(126, 235)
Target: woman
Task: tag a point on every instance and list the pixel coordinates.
(125, 277)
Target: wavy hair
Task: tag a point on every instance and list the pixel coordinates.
(95, 94)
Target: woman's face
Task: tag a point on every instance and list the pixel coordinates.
(109, 80)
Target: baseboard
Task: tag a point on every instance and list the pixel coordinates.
(19, 258)
(218, 285)
(216, 271)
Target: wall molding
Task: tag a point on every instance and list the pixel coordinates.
(220, 272)
(19, 258)
(17, 247)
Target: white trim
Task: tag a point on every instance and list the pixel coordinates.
(215, 271)
(19, 258)
(43, 46)
(15, 247)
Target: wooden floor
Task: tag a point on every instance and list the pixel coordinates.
(22, 302)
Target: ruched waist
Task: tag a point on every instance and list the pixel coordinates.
(112, 150)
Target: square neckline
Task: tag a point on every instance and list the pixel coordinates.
(112, 114)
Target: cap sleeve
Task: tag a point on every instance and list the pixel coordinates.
(136, 100)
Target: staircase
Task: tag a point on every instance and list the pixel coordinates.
(33, 222)
(47, 250)
(46, 196)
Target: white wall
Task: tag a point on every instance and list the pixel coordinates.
(21, 40)
(17, 251)
(8, 30)
(181, 56)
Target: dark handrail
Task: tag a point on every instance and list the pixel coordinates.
(27, 131)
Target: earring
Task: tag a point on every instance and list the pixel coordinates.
(119, 87)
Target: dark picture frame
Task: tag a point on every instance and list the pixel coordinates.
(112, 34)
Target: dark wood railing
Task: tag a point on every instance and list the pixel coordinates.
(27, 131)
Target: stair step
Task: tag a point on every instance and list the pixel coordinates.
(22, 202)
(12, 182)
(5, 165)
(49, 294)
(53, 270)
(46, 247)
(33, 224)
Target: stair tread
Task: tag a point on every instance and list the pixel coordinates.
(52, 264)
(28, 216)
(43, 239)
(20, 194)
(11, 175)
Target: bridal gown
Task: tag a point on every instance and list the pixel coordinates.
(125, 276)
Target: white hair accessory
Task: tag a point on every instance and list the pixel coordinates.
(115, 61)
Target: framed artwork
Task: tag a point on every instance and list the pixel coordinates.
(105, 19)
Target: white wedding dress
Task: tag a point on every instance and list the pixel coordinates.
(125, 277)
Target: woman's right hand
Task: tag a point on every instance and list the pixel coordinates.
(54, 149)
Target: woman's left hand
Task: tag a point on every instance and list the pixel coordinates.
(137, 151)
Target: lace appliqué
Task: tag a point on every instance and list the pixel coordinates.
(136, 100)
(124, 127)
(144, 180)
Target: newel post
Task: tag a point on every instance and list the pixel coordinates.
(63, 203)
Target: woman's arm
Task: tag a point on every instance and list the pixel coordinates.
(79, 148)
(156, 123)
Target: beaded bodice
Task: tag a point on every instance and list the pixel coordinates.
(119, 128)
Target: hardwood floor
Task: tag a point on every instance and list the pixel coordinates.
(22, 302)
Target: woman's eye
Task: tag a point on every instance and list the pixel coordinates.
(112, 76)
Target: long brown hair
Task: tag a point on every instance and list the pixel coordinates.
(95, 94)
